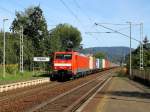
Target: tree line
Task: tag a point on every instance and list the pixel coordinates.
(38, 40)
(136, 55)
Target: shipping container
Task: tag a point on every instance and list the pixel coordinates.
(103, 64)
(97, 63)
(81, 63)
(107, 64)
(94, 63)
(91, 62)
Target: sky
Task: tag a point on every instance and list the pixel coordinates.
(84, 13)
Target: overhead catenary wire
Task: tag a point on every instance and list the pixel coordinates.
(107, 31)
(117, 32)
(78, 6)
(6, 10)
(97, 31)
(125, 28)
(87, 16)
(119, 24)
(73, 14)
(69, 9)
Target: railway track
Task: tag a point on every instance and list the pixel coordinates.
(25, 91)
(71, 100)
(28, 99)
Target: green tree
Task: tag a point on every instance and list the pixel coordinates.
(136, 57)
(13, 50)
(64, 36)
(34, 25)
(145, 40)
(11, 56)
(100, 55)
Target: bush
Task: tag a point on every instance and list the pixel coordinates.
(12, 68)
(1, 69)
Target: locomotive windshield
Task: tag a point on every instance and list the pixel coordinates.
(64, 56)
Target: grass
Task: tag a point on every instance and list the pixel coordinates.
(18, 77)
(121, 73)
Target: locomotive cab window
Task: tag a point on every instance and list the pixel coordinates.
(64, 56)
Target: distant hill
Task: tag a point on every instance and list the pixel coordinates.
(115, 54)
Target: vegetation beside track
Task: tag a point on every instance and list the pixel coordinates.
(38, 41)
(136, 56)
(18, 77)
(121, 73)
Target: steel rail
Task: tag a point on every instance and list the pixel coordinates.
(42, 105)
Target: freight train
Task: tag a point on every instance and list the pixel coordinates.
(72, 64)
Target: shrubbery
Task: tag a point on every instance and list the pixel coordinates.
(10, 69)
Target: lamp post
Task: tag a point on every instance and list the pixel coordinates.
(4, 48)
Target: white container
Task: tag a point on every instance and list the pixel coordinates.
(91, 59)
(103, 63)
(97, 63)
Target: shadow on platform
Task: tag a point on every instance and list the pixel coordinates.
(135, 94)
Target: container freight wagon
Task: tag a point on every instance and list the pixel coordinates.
(69, 64)
(92, 63)
(97, 63)
(107, 64)
(102, 64)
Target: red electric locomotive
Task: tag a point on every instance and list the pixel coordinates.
(69, 64)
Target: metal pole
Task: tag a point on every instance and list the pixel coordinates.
(4, 50)
(130, 53)
(22, 48)
(4, 75)
(141, 46)
(115, 31)
(140, 51)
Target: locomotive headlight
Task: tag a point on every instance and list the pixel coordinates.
(55, 67)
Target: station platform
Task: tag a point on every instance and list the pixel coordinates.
(120, 95)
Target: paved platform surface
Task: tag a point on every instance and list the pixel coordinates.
(121, 95)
